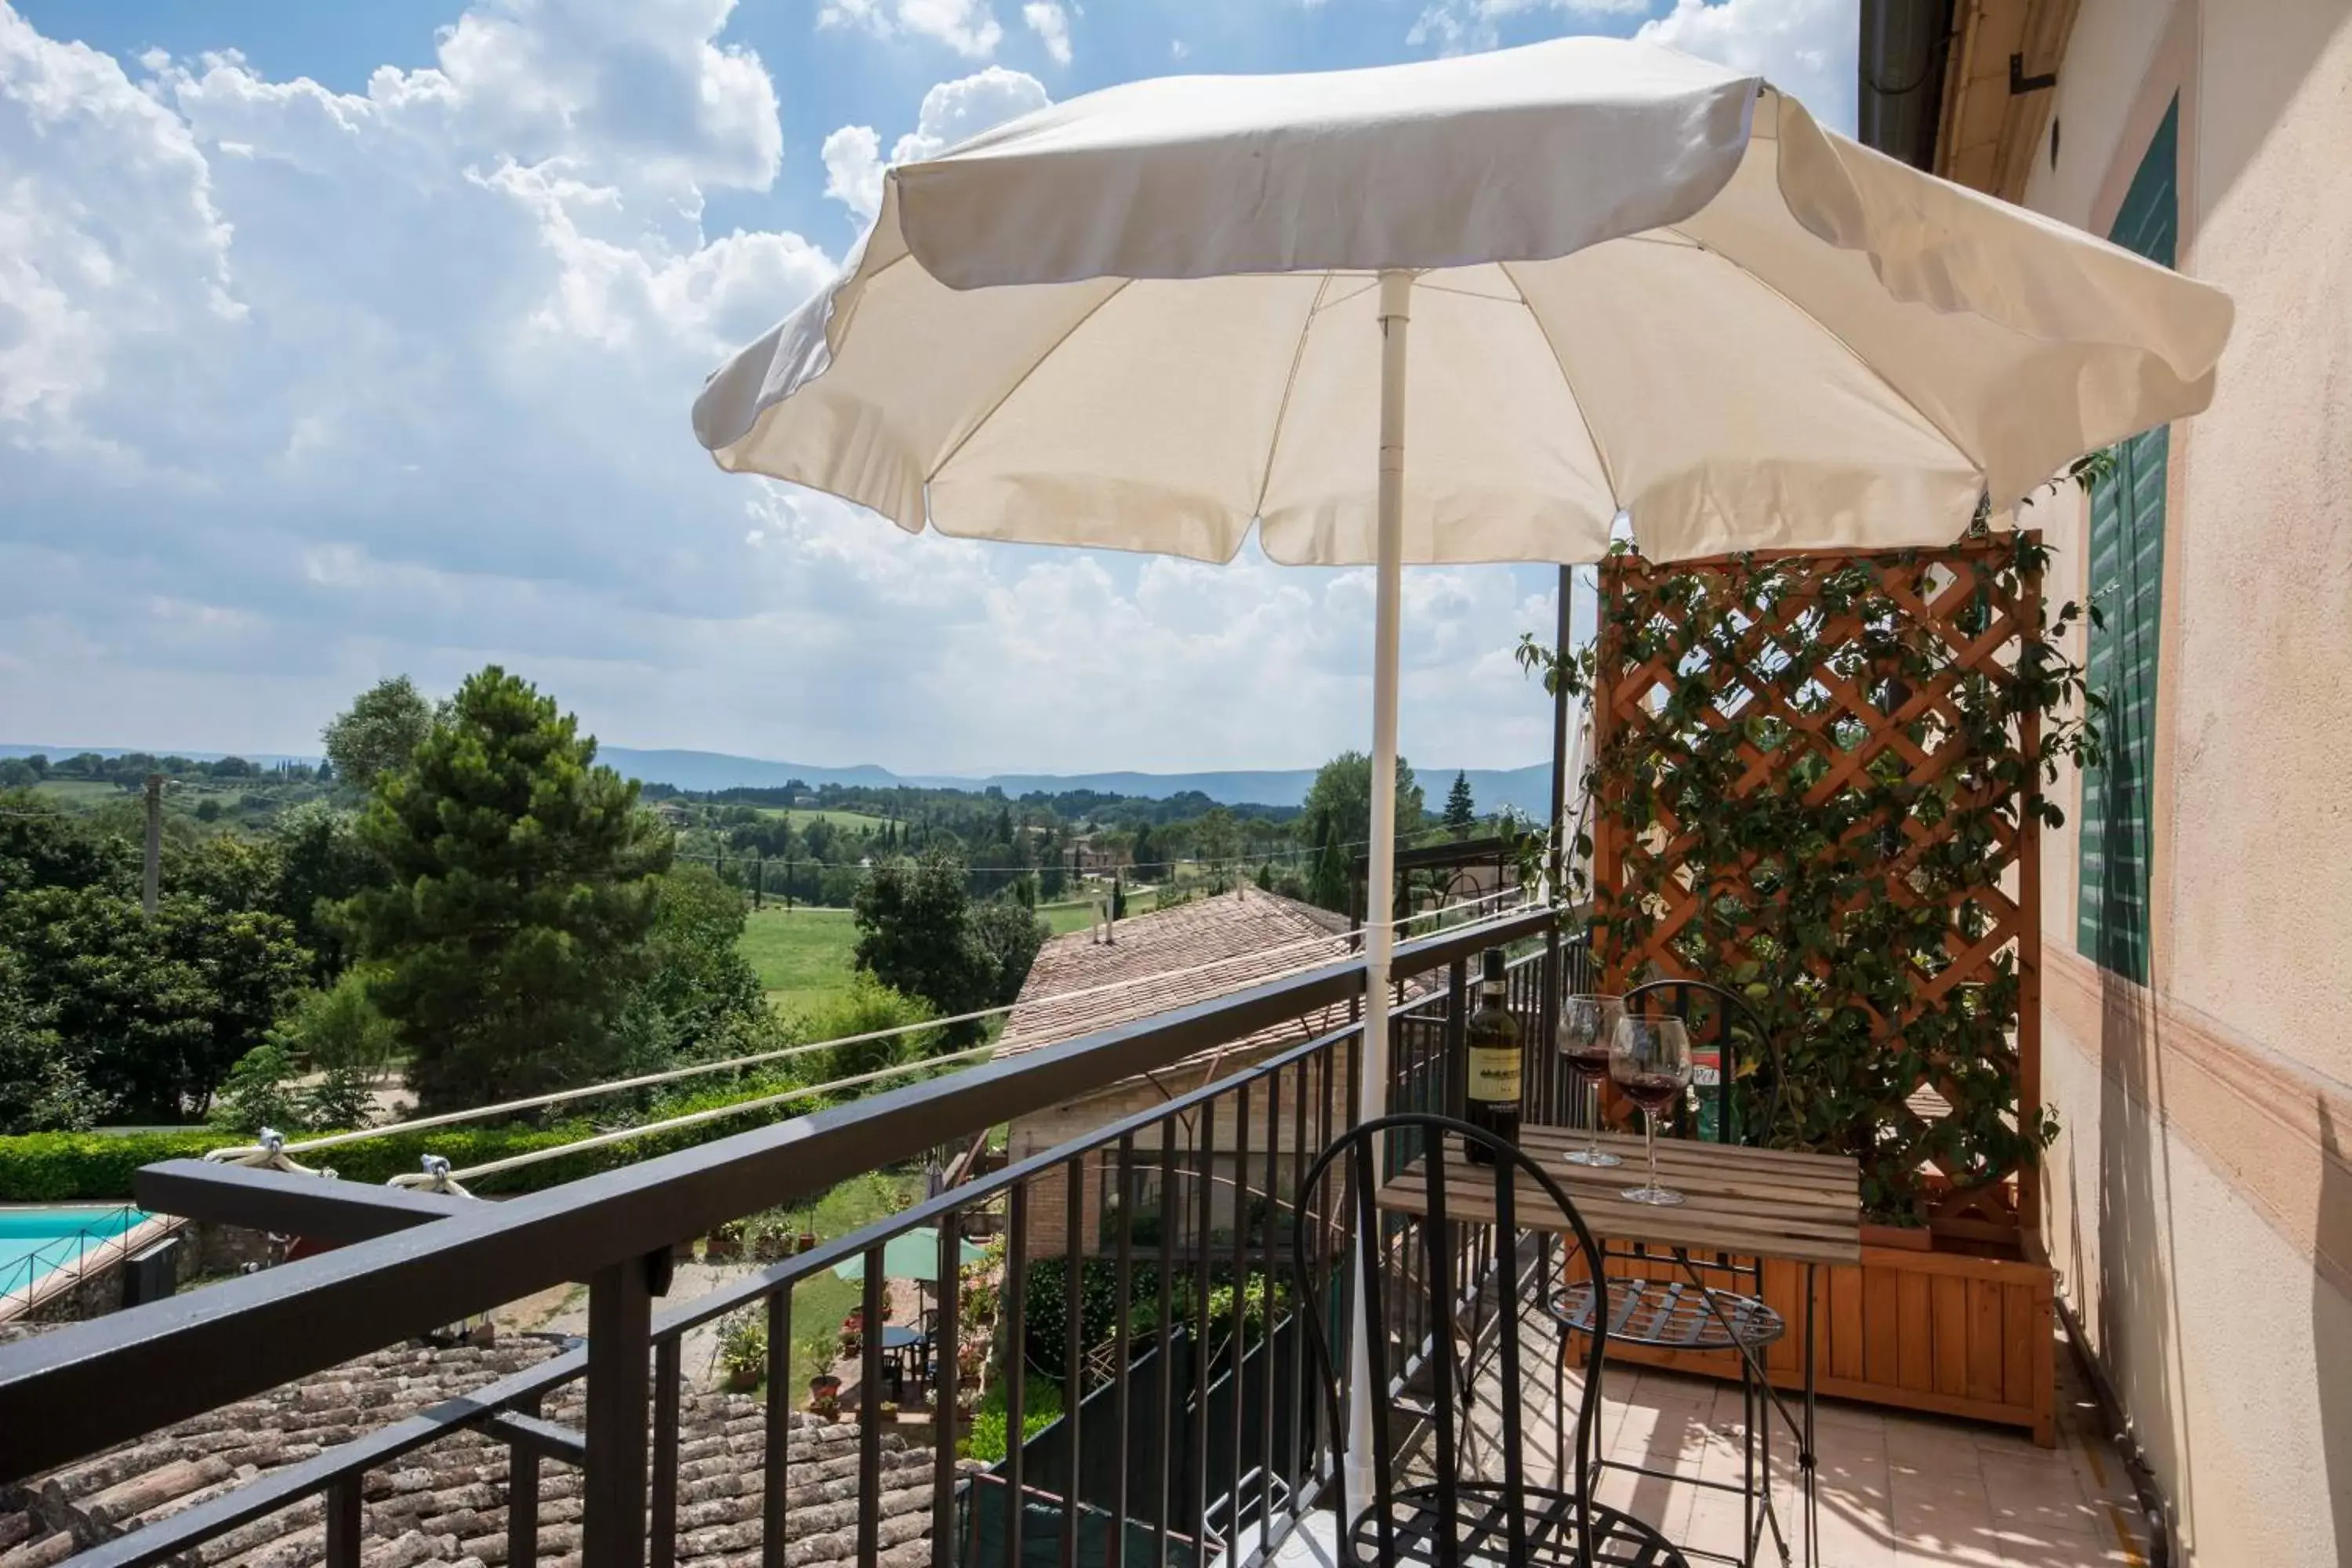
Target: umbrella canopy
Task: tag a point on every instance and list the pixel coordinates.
(1152, 317)
(1146, 317)
(912, 1256)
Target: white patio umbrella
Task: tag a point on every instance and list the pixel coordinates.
(1148, 318)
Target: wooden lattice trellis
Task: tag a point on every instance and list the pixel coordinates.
(1816, 777)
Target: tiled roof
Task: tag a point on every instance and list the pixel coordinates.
(446, 1504)
(1264, 935)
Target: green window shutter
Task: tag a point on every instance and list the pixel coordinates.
(2126, 561)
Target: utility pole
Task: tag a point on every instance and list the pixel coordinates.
(151, 887)
(759, 879)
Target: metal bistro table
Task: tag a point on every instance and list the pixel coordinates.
(1739, 1202)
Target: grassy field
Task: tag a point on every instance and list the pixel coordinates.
(802, 956)
(80, 791)
(848, 821)
(819, 1304)
(1077, 916)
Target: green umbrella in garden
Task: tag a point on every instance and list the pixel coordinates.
(914, 1256)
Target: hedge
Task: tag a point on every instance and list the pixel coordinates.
(61, 1167)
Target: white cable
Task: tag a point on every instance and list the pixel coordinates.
(622, 1134)
(248, 1154)
(275, 1154)
(448, 1180)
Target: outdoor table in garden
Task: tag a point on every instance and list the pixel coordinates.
(1767, 1204)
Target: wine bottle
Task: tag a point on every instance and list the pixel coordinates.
(1492, 1038)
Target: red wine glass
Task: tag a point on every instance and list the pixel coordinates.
(1651, 1063)
(1587, 1036)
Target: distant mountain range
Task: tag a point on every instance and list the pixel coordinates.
(1528, 789)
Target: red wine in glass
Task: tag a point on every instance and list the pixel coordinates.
(1653, 1091)
(1651, 1062)
(1587, 1033)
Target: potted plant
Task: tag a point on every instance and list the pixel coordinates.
(823, 1386)
(968, 1363)
(853, 1333)
(743, 1352)
(769, 1239)
(724, 1244)
(825, 1406)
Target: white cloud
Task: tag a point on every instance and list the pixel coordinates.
(953, 111)
(967, 26)
(1804, 47)
(853, 169)
(1462, 26)
(1051, 23)
(302, 387)
(1178, 49)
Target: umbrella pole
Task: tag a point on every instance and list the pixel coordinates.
(1371, 1094)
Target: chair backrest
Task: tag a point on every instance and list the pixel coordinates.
(1442, 1184)
(1733, 1016)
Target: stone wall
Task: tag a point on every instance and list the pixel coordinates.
(206, 1252)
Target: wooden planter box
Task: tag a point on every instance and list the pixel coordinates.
(1951, 1329)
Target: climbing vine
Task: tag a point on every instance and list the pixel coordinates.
(1818, 779)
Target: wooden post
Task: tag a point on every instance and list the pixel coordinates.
(2029, 937)
(151, 887)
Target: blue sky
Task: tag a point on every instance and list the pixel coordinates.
(341, 341)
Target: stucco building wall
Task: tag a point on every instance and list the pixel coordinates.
(2199, 1197)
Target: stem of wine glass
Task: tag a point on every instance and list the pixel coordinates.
(1650, 1138)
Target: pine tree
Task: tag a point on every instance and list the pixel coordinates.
(524, 881)
(1461, 813)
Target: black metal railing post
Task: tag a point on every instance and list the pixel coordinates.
(620, 1328)
(1455, 1071)
(870, 1409)
(667, 1392)
(522, 1497)
(343, 1523)
(946, 1389)
(1073, 1348)
(773, 1461)
(1122, 1354)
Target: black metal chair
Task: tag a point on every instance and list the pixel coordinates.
(1694, 1313)
(1453, 1520)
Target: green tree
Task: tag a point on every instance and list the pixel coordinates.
(42, 846)
(339, 1029)
(1218, 839)
(698, 977)
(153, 1011)
(920, 934)
(322, 861)
(43, 1085)
(1461, 813)
(1342, 790)
(379, 733)
(524, 881)
(259, 1092)
(1008, 934)
(1330, 883)
(914, 934)
(870, 1007)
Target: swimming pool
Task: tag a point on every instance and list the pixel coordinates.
(33, 1241)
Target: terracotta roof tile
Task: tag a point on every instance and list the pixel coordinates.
(1262, 935)
(446, 1504)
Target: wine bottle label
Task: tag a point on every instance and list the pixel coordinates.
(1495, 1073)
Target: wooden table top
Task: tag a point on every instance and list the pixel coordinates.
(1761, 1203)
